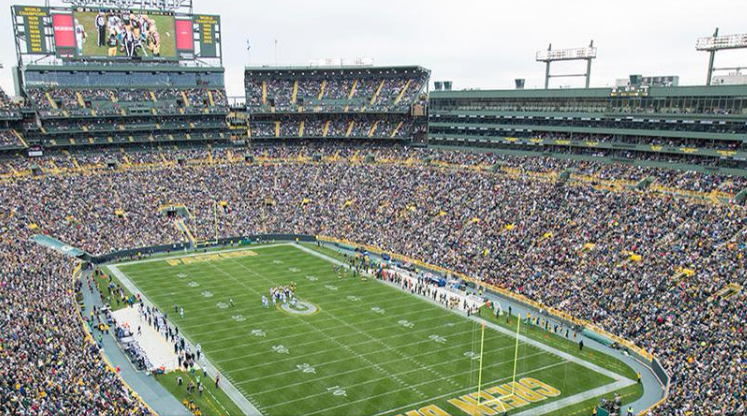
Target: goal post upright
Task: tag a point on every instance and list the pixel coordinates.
(513, 377)
(479, 372)
(516, 356)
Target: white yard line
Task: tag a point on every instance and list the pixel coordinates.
(460, 346)
(348, 325)
(333, 339)
(427, 341)
(430, 399)
(620, 381)
(241, 402)
(248, 408)
(445, 378)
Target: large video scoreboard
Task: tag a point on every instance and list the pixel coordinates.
(88, 33)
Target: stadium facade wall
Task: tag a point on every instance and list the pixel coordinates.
(701, 125)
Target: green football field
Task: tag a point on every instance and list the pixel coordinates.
(367, 349)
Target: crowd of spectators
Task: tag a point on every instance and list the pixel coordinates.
(48, 365)
(642, 265)
(5, 100)
(714, 136)
(9, 139)
(645, 106)
(380, 126)
(126, 115)
(354, 91)
(102, 124)
(8, 108)
(80, 98)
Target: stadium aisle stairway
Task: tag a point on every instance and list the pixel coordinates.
(321, 90)
(376, 94)
(294, 94)
(181, 226)
(402, 92)
(52, 103)
(396, 129)
(373, 128)
(352, 89)
(349, 129)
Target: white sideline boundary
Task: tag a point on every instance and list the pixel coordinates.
(247, 408)
(620, 381)
(250, 410)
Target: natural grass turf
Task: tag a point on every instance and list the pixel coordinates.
(382, 365)
(212, 401)
(628, 394)
(102, 284)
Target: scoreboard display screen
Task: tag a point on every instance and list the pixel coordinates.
(124, 34)
(198, 36)
(33, 22)
(86, 33)
(208, 34)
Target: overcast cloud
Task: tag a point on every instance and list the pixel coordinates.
(474, 43)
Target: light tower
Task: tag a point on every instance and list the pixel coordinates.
(717, 43)
(576, 54)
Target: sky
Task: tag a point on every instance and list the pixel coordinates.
(483, 44)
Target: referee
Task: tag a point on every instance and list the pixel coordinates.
(100, 23)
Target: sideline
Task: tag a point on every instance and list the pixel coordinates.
(143, 386)
(654, 393)
(247, 408)
(620, 381)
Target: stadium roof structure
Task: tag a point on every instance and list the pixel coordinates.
(166, 5)
(122, 67)
(679, 91)
(311, 68)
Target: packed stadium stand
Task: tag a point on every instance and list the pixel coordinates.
(622, 207)
(693, 125)
(86, 105)
(635, 281)
(374, 103)
(10, 124)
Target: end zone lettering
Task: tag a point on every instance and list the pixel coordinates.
(202, 258)
(494, 400)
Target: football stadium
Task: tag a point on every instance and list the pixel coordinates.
(353, 239)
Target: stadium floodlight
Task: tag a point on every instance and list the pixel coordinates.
(573, 54)
(589, 52)
(715, 43)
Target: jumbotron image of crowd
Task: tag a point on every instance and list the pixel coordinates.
(638, 240)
